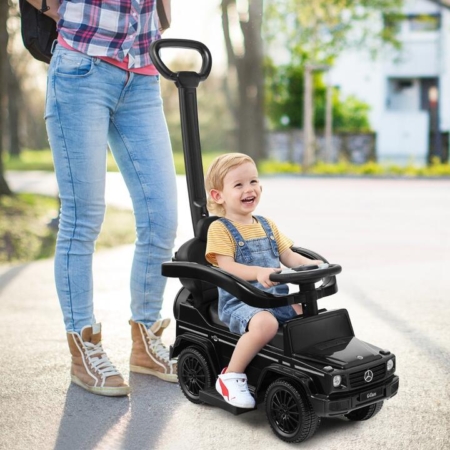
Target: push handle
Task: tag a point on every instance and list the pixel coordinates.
(187, 83)
(180, 43)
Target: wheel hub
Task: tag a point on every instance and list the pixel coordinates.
(192, 375)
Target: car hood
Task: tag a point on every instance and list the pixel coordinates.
(343, 353)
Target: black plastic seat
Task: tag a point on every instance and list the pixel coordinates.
(203, 293)
(213, 317)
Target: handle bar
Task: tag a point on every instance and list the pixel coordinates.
(156, 46)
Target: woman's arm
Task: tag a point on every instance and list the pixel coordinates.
(52, 4)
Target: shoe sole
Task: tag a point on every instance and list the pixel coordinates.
(106, 391)
(171, 378)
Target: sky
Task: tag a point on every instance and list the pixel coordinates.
(199, 20)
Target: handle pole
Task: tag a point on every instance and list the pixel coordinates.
(187, 83)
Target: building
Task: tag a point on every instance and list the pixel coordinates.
(408, 91)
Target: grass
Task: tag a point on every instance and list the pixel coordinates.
(25, 234)
(42, 160)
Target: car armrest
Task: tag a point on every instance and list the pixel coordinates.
(241, 289)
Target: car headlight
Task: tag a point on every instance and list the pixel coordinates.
(390, 365)
(337, 380)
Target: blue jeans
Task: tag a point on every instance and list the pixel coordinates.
(90, 104)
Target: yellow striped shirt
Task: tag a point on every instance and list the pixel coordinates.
(220, 241)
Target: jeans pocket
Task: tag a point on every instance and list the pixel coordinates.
(74, 64)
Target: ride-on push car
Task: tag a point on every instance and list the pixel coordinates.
(315, 366)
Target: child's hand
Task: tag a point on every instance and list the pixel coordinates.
(316, 261)
(263, 276)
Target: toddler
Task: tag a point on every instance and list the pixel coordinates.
(250, 247)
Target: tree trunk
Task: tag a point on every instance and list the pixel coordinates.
(14, 100)
(329, 122)
(308, 120)
(249, 113)
(4, 11)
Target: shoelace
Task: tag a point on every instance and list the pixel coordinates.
(160, 349)
(101, 363)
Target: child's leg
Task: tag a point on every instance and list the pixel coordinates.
(298, 309)
(261, 329)
(232, 385)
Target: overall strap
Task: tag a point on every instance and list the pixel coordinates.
(268, 230)
(241, 246)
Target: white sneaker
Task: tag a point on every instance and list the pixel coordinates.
(233, 388)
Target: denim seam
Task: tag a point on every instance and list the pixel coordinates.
(146, 302)
(73, 193)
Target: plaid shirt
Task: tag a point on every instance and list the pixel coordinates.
(112, 28)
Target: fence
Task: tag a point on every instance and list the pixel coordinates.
(357, 148)
(354, 147)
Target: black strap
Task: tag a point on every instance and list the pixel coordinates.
(44, 7)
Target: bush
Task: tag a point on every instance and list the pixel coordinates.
(435, 169)
(270, 167)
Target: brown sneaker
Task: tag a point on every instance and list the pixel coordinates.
(91, 368)
(148, 354)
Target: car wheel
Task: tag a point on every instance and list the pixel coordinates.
(365, 413)
(289, 412)
(194, 374)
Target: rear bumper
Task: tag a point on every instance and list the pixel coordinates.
(326, 407)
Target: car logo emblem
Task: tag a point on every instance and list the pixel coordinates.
(368, 376)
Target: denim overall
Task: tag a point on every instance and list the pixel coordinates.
(261, 252)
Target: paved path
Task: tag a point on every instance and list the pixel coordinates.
(392, 238)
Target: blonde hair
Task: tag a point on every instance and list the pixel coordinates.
(216, 174)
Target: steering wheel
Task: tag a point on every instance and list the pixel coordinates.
(306, 274)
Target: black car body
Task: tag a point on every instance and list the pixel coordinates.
(315, 366)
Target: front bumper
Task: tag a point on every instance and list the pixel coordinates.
(327, 406)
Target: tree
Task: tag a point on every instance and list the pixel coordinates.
(14, 101)
(4, 12)
(285, 89)
(312, 31)
(246, 58)
(315, 32)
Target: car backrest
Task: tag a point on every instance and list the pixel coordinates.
(203, 293)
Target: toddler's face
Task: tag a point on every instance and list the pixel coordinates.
(241, 191)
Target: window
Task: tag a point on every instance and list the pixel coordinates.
(424, 23)
(396, 24)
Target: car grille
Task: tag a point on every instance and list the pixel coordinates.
(357, 378)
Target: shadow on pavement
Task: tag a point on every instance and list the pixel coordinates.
(152, 403)
(87, 419)
(136, 422)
